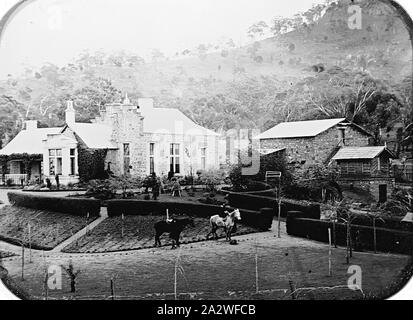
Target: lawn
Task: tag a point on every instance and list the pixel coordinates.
(138, 233)
(48, 229)
(217, 270)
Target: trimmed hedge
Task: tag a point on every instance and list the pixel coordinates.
(256, 202)
(261, 219)
(388, 240)
(74, 206)
(388, 223)
(153, 207)
(249, 201)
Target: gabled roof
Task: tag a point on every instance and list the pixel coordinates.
(169, 120)
(299, 129)
(29, 141)
(95, 136)
(349, 153)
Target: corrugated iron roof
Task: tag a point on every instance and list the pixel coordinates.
(29, 141)
(170, 120)
(299, 129)
(348, 153)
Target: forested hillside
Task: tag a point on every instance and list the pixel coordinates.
(310, 66)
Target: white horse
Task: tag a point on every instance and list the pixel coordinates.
(226, 223)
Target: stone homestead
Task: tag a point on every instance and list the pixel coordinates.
(125, 139)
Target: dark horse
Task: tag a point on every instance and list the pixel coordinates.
(174, 229)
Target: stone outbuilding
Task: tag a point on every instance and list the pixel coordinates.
(315, 141)
(367, 168)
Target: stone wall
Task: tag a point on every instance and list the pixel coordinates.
(190, 152)
(370, 184)
(127, 124)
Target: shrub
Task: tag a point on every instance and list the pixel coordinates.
(388, 240)
(256, 202)
(212, 178)
(260, 219)
(270, 162)
(147, 207)
(101, 189)
(75, 206)
(250, 202)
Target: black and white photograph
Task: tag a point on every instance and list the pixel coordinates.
(205, 150)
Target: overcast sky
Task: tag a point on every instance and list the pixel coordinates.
(56, 31)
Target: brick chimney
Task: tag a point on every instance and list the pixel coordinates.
(70, 114)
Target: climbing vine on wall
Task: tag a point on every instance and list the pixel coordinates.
(27, 159)
(91, 164)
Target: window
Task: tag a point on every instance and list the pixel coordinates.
(342, 136)
(151, 157)
(126, 158)
(55, 161)
(73, 162)
(174, 161)
(366, 167)
(203, 158)
(343, 167)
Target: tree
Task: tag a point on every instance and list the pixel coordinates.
(89, 100)
(212, 178)
(257, 30)
(202, 51)
(253, 49)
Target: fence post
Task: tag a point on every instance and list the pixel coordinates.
(256, 268)
(330, 272)
(22, 260)
(112, 289)
(46, 287)
(292, 288)
(279, 207)
(30, 243)
(123, 222)
(374, 235)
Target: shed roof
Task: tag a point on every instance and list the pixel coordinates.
(170, 120)
(299, 129)
(348, 153)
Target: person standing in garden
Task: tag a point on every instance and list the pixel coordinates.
(156, 184)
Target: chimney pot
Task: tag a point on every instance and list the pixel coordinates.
(70, 113)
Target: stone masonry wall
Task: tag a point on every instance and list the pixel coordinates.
(316, 150)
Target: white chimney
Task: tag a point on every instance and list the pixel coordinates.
(70, 113)
(145, 105)
(31, 125)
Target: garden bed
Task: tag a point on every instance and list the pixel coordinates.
(138, 233)
(73, 205)
(48, 228)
